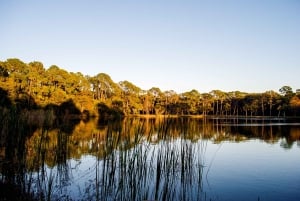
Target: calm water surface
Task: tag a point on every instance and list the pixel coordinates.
(167, 159)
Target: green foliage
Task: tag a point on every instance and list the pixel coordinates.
(4, 99)
(28, 83)
(3, 71)
(286, 91)
(109, 113)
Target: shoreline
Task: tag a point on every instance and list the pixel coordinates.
(163, 116)
(211, 116)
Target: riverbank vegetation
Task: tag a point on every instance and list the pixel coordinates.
(41, 109)
(152, 156)
(29, 85)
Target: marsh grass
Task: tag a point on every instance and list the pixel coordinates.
(14, 131)
(132, 168)
(30, 176)
(129, 163)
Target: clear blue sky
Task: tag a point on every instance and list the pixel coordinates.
(251, 46)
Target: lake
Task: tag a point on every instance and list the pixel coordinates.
(166, 159)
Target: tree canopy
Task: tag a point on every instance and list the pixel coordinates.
(56, 85)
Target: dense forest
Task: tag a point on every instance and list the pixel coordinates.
(45, 105)
(32, 86)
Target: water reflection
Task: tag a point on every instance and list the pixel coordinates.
(133, 159)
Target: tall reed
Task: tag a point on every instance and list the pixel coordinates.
(172, 169)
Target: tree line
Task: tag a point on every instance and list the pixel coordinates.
(32, 83)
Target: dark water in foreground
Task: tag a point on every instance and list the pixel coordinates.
(167, 159)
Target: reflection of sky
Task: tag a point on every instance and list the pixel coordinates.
(233, 171)
(252, 169)
(83, 172)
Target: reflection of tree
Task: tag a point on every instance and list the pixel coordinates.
(170, 169)
(169, 151)
(87, 138)
(165, 171)
(286, 144)
(21, 120)
(14, 130)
